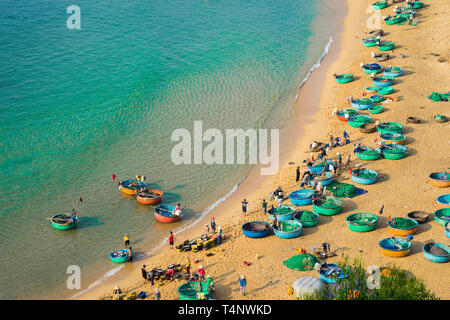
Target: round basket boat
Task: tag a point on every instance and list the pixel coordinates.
(119, 256)
(288, 229)
(345, 114)
(447, 229)
(376, 109)
(440, 179)
(301, 197)
(376, 33)
(383, 82)
(440, 118)
(149, 196)
(405, 13)
(362, 222)
(368, 128)
(386, 45)
(330, 273)
(132, 186)
(372, 90)
(366, 153)
(385, 90)
(442, 216)
(362, 104)
(319, 164)
(307, 218)
(393, 138)
(402, 226)
(376, 98)
(394, 20)
(358, 120)
(165, 213)
(394, 151)
(370, 42)
(390, 127)
(419, 216)
(372, 67)
(256, 229)
(443, 201)
(64, 221)
(393, 72)
(327, 207)
(436, 252)
(364, 176)
(416, 5)
(325, 179)
(344, 78)
(283, 213)
(189, 290)
(395, 247)
(379, 5)
(413, 120)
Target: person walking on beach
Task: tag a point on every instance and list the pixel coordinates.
(346, 137)
(297, 174)
(126, 240)
(144, 272)
(157, 294)
(347, 162)
(188, 266)
(339, 160)
(171, 239)
(213, 225)
(219, 236)
(264, 206)
(244, 206)
(151, 277)
(201, 273)
(242, 284)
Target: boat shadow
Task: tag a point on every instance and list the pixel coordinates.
(407, 130)
(416, 247)
(409, 140)
(382, 177)
(348, 206)
(86, 222)
(423, 227)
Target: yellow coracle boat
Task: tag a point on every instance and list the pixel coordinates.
(395, 247)
(132, 186)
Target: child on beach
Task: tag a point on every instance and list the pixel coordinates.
(244, 206)
(242, 284)
(171, 239)
(264, 206)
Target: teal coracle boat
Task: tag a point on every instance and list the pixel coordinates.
(370, 42)
(344, 78)
(386, 45)
(394, 151)
(358, 120)
(362, 222)
(328, 206)
(372, 68)
(190, 290)
(288, 229)
(376, 109)
(404, 13)
(385, 90)
(366, 153)
(372, 90)
(364, 176)
(376, 98)
(119, 256)
(390, 127)
(416, 5)
(301, 197)
(393, 72)
(379, 5)
(64, 221)
(362, 104)
(307, 218)
(394, 20)
(442, 216)
(345, 114)
(283, 213)
(325, 179)
(396, 138)
(383, 81)
(436, 252)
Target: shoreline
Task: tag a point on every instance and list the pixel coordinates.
(343, 57)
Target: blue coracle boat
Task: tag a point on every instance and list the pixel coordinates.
(288, 229)
(436, 258)
(364, 176)
(325, 179)
(331, 272)
(301, 197)
(447, 229)
(256, 229)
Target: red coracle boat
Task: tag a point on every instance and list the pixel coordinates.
(165, 213)
(344, 114)
(149, 196)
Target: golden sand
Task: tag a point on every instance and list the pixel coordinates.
(402, 186)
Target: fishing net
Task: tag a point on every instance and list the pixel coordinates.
(288, 226)
(403, 223)
(306, 216)
(301, 262)
(362, 219)
(285, 210)
(342, 190)
(364, 174)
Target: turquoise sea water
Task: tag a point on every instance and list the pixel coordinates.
(79, 105)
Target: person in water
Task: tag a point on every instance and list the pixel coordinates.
(130, 254)
(177, 210)
(171, 239)
(126, 240)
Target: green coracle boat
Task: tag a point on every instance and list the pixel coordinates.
(379, 5)
(394, 20)
(396, 138)
(362, 222)
(390, 127)
(394, 151)
(416, 5)
(370, 42)
(442, 216)
(377, 98)
(366, 153)
(386, 45)
(327, 207)
(393, 72)
(358, 120)
(385, 91)
(376, 109)
(344, 78)
(64, 221)
(190, 290)
(307, 218)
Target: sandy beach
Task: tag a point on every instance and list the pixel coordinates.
(402, 185)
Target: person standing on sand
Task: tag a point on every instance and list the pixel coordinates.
(339, 160)
(244, 206)
(157, 294)
(126, 240)
(130, 254)
(264, 206)
(219, 236)
(151, 277)
(188, 266)
(171, 239)
(144, 272)
(201, 273)
(297, 174)
(242, 284)
(213, 225)
(206, 229)
(347, 162)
